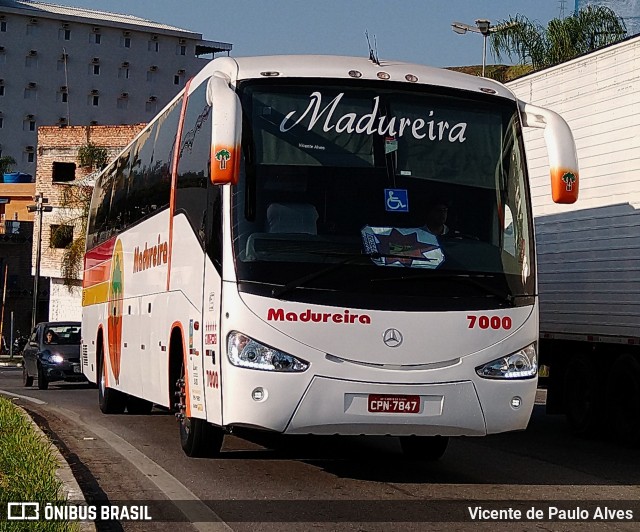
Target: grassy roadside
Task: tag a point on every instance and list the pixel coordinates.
(27, 470)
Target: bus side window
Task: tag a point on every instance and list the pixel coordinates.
(193, 164)
(99, 210)
(149, 186)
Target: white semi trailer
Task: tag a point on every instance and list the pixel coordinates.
(589, 252)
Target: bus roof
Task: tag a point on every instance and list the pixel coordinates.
(326, 66)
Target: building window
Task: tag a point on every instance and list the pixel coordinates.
(181, 50)
(95, 100)
(96, 38)
(30, 93)
(151, 106)
(29, 125)
(31, 60)
(123, 103)
(176, 80)
(61, 236)
(64, 97)
(96, 70)
(1, 122)
(123, 72)
(3, 25)
(63, 172)
(32, 29)
(29, 156)
(151, 76)
(65, 34)
(1, 90)
(153, 46)
(126, 42)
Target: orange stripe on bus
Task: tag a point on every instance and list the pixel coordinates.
(98, 274)
(174, 176)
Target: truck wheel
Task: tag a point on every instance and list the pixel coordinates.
(426, 448)
(582, 404)
(111, 401)
(43, 383)
(198, 438)
(27, 380)
(623, 399)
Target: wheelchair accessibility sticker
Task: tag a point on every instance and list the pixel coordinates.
(396, 199)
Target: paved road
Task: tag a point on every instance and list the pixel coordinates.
(359, 484)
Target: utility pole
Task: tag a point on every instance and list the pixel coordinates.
(38, 208)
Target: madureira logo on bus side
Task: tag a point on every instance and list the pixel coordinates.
(279, 314)
(115, 302)
(151, 256)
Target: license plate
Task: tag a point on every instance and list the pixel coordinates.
(394, 404)
(76, 368)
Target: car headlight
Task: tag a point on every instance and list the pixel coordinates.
(53, 358)
(245, 352)
(522, 364)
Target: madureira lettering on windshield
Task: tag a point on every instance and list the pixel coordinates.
(278, 314)
(371, 123)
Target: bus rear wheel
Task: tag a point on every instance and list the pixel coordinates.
(426, 448)
(198, 438)
(111, 401)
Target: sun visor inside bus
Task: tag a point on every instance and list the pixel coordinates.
(227, 130)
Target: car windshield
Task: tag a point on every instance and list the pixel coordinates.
(62, 335)
(363, 191)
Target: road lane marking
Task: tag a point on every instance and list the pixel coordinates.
(200, 516)
(25, 397)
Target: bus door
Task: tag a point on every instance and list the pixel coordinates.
(211, 306)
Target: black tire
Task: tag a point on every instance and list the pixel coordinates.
(27, 380)
(583, 402)
(111, 401)
(43, 383)
(623, 399)
(425, 448)
(138, 407)
(198, 438)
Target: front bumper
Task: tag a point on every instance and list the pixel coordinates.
(65, 371)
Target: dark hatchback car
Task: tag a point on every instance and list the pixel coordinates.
(52, 354)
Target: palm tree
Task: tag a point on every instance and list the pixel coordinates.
(6, 162)
(563, 39)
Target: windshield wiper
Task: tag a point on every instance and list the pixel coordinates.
(300, 281)
(461, 277)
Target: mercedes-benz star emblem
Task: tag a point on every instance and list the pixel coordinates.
(392, 337)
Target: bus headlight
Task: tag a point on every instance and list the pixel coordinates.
(245, 352)
(522, 364)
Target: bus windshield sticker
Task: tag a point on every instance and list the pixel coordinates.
(396, 199)
(405, 247)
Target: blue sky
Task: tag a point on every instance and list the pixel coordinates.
(408, 30)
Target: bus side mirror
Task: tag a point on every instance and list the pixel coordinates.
(563, 159)
(226, 130)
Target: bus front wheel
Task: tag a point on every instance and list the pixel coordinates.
(198, 438)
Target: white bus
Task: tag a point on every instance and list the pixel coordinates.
(322, 245)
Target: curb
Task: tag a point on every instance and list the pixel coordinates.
(70, 487)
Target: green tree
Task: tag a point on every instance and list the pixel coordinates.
(6, 163)
(584, 31)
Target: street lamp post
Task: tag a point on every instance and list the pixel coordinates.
(484, 27)
(38, 208)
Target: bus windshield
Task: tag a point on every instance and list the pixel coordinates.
(355, 191)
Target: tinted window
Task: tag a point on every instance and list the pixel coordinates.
(193, 165)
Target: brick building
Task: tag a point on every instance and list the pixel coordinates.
(59, 177)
